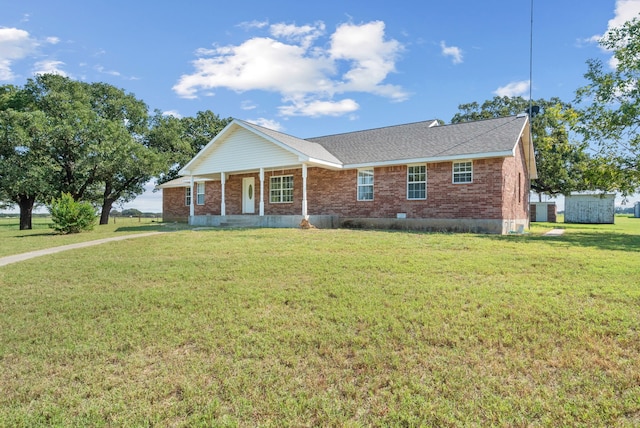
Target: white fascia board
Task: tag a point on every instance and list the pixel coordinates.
(321, 163)
(185, 182)
(468, 156)
(529, 151)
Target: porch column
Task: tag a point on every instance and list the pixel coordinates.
(192, 207)
(223, 208)
(304, 191)
(261, 191)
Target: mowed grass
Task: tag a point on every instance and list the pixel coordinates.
(327, 328)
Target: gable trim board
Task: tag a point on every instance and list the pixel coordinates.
(325, 170)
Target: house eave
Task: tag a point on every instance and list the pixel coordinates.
(181, 182)
(431, 159)
(322, 163)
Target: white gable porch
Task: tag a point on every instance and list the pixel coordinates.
(240, 149)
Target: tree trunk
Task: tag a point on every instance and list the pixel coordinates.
(107, 204)
(26, 211)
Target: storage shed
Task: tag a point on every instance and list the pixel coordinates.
(592, 208)
(543, 211)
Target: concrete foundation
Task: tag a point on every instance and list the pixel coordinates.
(331, 222)
(438, 225)
(273, 221)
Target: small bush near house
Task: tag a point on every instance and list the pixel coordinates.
(70, 216)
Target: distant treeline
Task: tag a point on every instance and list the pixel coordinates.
(624, 210)
(113, 213)
(132, 212)
(17, 215)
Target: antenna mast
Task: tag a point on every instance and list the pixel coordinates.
(531, 62)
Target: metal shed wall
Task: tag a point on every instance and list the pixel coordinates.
(595, 209)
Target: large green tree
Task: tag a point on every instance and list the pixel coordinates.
(96, 142)
(25, 161)
(611, 114)
(561, 162)
(125, 162)
(71, 130)
(90, 140)
(189, 135)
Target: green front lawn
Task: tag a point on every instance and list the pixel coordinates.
(327, 328)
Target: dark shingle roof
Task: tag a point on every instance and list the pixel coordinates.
(421, 141)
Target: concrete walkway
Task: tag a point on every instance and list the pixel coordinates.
(31, 254)
(555, 232)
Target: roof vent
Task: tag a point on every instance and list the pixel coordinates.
(531, 111)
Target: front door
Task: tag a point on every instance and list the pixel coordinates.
(248, 195)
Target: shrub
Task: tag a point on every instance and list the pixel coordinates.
(70, 216)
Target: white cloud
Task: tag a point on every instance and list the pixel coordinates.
(317, 108)
(454, 52)
(258, 63)
(305, 35)
(15, 44)
(247, 105)
(53, 40)
(173, 113)
(100, 69)
(371, 58)
(304, 71)
(267, 123)
(513, 89)
(248, 25)
(49, 67)
(625, 10)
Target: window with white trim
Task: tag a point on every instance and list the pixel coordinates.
(187, 196)
(462, 172)
(365, 184)
(417, 182)
(200, 193)
(281, 189)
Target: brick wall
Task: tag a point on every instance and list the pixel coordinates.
(335, 193)
(500, 189)
(552, 211)
(212, 198)
(173, 207)
(516, 186)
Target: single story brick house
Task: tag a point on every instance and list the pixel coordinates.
(472, 176)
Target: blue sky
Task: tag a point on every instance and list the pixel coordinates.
(310, 68)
